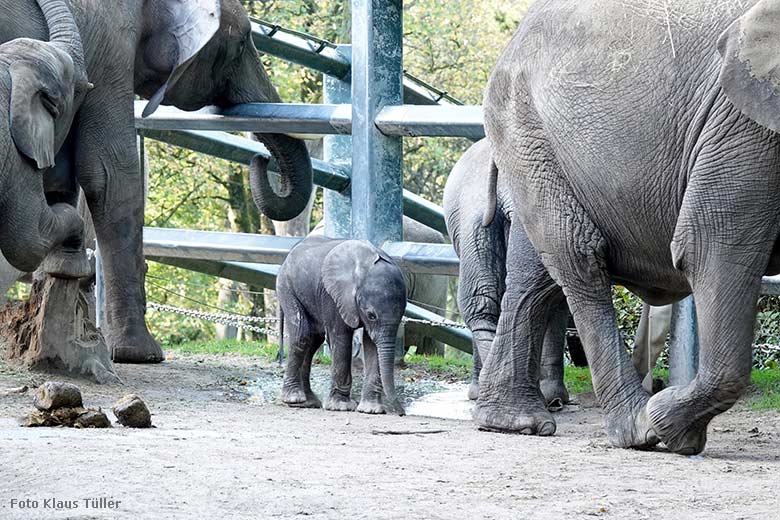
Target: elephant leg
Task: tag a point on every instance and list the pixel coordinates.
(108, 171)
(303, 344)
(473, 393)
(551, 383)
(480, 289)
(340, 398)
(371, 397)
(509, 395)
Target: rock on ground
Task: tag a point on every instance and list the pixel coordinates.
(132, 412)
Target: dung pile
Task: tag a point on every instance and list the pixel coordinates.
(60, 404)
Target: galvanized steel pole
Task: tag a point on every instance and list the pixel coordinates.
(377, 71)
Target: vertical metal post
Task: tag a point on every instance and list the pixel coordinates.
(377, 72)
(683, 343)
(337, 150)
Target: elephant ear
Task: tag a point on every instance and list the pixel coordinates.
(41, 92)
(750, 74)
(343, 271)
(190, 24)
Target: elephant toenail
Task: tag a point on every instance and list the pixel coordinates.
(547, 429)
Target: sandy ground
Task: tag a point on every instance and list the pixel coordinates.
(218, 454)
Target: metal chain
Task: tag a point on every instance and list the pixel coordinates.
(232, 320)
(438, 323)
(241, 322)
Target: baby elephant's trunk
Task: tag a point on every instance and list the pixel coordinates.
(386, 353)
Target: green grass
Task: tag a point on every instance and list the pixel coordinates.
(577, 380)
(458, 368)
(766, 390)
(264, 350)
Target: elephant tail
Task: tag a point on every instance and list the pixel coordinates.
(281, 335)
(492, 196)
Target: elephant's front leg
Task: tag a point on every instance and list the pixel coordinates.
(371, 397)
(340, 341)
(107, 169)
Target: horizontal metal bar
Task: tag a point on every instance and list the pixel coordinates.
(423, 258)
(265, 276)
(267, 118)
(432, 121)
(296, 118)
(214, 245)
(241, 150)
(270, 249)
(424, 211)
(301, 51)
(458, 338)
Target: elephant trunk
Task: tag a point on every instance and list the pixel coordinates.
(30, 240)
(295, 188)
(64, 32)
(386, 354)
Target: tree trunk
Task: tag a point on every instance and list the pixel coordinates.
(52, 331)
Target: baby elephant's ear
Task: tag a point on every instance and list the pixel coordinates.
(750, 74)
(343, 271)
(41, 93)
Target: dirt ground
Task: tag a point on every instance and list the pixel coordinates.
(219, 453)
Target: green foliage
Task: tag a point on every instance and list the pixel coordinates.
(454, 367)
(766, 395)
(628, 310)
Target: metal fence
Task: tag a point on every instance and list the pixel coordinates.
(364, 120)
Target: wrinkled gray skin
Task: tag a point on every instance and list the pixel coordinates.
(328, 288)
(41, 84)
(188, 54)
(482, 252)
(639, 142)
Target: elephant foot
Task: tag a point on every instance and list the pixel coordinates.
(555, 394)
(630, 426)
(473, 393)
(535, 420)
(681, 429)
(298, 398)
(136, 348)
(340, 403)
(371, 407)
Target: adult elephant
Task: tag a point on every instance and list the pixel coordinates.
(481, 245)
(640, 145)
(186, 53)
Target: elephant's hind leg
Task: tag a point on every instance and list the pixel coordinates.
(304, 343)
(509, 396)
(574, 252)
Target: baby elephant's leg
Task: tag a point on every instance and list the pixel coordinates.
(371, 398)
(340, 398)
(304, 342)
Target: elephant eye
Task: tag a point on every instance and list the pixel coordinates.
(371, 316)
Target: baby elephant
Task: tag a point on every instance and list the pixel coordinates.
(328, 288)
